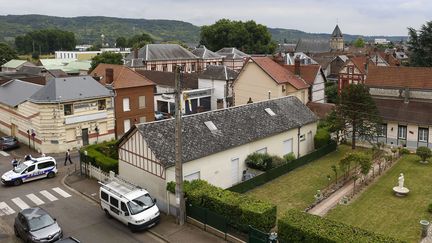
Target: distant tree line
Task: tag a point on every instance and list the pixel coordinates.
(248, 36)
(136, 41)
(6, 53)
(45, 41)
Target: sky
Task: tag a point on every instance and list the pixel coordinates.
(365, 17)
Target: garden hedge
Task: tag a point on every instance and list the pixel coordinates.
(296, 226)
(239, 210)
(322, 138)
(103, 155)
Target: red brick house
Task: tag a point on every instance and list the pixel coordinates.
(133, 99)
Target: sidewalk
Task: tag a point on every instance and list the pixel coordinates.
(167, 230)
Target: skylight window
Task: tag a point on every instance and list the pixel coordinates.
(211, 126)
(270, 112)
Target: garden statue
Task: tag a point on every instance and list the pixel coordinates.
(401, 180)
(400, 190)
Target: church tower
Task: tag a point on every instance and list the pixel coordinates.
(336, 41)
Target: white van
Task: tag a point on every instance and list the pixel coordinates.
(33, 169)
(129, 204)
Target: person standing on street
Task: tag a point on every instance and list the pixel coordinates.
(14, 163)
(68, 157)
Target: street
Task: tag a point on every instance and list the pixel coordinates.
(78, 216)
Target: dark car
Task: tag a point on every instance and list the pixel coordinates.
(8, 142)
(36, 225)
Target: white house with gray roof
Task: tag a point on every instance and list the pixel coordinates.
(206, 57)
(215, 143)
(161, 57)
(233, 57)
(66, 113)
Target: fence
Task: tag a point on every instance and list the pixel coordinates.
(283, 169)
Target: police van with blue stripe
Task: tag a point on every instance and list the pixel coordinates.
(33, 169)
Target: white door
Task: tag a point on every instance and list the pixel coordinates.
(126, 125)
(235, 171)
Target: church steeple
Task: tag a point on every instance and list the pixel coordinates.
(336, 41)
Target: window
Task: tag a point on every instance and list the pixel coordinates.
(288, 146)
(142, 119)
(270, 112)
(68, 110)
(31, 168)
(114, 202)
(302, 137)
(153, 67)
(44, 165)
(382, 130)
(127, 125)
(101, 105)
(126, 104)
(402, 132)
(141, 102)
(123, 207)
(104, 196)
(262, 151)
(164, 67)
(210, 125)
(423, 134)
(193, 67)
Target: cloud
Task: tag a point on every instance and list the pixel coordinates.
(366, 17)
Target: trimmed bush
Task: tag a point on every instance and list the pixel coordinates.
(259, 161)
(100, 154)
(239, 210)
(277, 161)
(322, 138)
(424, 153)
(289, 157)
(403, 151)
(296, 226)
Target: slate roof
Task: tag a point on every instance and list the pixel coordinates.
(190, 80)
(124, 77)
(14, 92)
(70, 89)
(337, 32)
(313, 46)
(218, 72)
(278, 73)
(203, 53)
(412, 112)
(36, 79)
(232, 53)
(235, 126)
(35, 70)
(159, 52)
(400, 77)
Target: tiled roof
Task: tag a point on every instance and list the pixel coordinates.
(320, 109)
(14, 92)
(203, 53)
(123, 77)
(360, 62)
(235, 126)
(232, 53)
(313, 46)
(412, 112)
(307, 72)
(400, 77)
(218, 72)
(70, 89)
(190, 80)
(278, 73)
(337, 32)
(161, 52)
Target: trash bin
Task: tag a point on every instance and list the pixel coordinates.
(425, 226)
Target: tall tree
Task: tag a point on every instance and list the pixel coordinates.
(248, 36)
(45, 41)
(6, 53)
(359, 42)
(121, 42)
(420, 45)
(356, 113)
(106, 57)
(138, 41)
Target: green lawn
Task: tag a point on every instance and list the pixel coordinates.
(297, 188)
(377, 209)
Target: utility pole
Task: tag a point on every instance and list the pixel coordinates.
(178, 150)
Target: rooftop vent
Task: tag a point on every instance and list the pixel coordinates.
(211, 126)
(270, 112)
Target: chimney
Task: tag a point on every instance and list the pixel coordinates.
(109, 75)
(297, 66)
(135, 53)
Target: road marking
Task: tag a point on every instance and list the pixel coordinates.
(20, 203)
(5, 209)
(61, 192)
(35, 199)
(48, 195)
(4, 153)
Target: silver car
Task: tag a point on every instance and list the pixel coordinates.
(36, 225)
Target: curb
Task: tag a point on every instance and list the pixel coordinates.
(94, 201)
